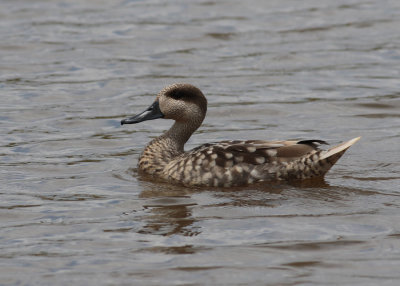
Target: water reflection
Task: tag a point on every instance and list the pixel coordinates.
(170, 210)
(170, 220)
(185, 249)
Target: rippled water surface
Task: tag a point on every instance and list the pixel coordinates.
(73, 210)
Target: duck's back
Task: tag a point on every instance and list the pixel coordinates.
(234, 163)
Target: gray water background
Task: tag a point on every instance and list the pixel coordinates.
(73, 210)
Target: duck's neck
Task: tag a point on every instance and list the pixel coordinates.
(160, 151)
(178, 135)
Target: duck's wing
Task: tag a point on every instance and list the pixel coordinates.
(257, 152)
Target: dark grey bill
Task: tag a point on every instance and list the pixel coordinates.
(153, 112)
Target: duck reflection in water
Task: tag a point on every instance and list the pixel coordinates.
(169, 208)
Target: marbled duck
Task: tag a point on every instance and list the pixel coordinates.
(225, 163)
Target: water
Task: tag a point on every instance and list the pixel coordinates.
(73, 210)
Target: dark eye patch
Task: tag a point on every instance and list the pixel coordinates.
(177, 94)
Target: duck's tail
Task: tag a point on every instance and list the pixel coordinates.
(336, 152)
(316, 164)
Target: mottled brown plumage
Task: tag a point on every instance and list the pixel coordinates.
(225, 163)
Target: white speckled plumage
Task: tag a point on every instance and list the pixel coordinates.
(225, 163)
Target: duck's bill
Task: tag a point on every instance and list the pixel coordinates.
(153, 112)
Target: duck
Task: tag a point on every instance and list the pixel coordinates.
(226, 163)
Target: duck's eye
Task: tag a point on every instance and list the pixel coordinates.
(176, 94)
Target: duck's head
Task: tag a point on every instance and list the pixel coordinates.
(181, 102)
